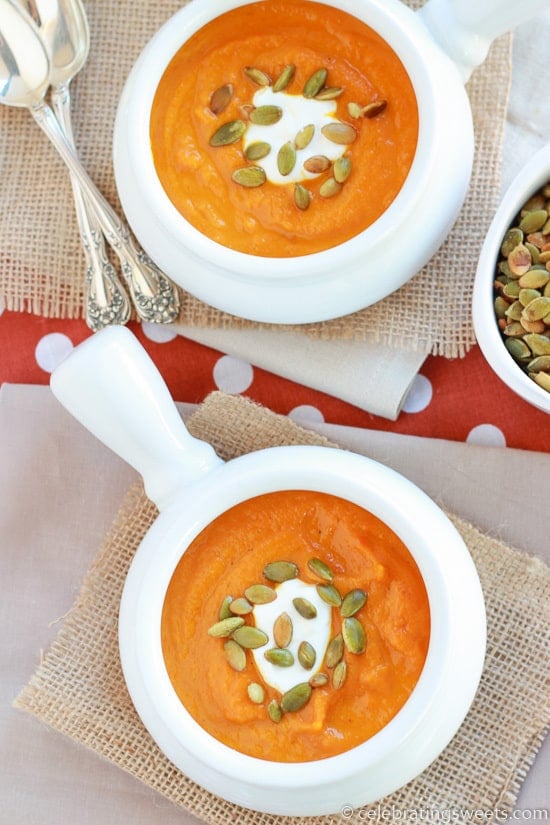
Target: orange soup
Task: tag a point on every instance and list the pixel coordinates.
(348, 566)
(317, 66)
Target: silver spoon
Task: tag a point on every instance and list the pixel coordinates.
(66, 39)
(24, 80)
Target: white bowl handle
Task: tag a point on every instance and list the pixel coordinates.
(113, 388)
(465, 29)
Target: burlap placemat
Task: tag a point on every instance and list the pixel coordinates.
(79, 688)
(41, 261)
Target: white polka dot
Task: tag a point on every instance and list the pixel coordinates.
(232, 375)
(418, 396)
(306, 412)
(159, 333)
(51, 350)
(486, 435)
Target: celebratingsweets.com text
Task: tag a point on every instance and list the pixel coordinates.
(392, 813)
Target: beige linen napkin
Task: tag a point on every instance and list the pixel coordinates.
(42, 266)
(52, 514)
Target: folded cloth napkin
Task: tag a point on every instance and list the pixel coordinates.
(371, 376)
(54, 514)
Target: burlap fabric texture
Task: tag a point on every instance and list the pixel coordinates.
(41, 261)
(79, 688)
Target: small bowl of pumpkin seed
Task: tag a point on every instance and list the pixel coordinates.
(511, 299)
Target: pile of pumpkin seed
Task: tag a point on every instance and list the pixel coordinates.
(522, 288)
(339, 132)
(240, 637)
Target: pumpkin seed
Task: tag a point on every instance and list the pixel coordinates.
(369, 111)
(256, 693)
(220, 98)
(274, 711)
(280, 656)
(329, 93)
(534, 279)
(501, 305)
(330, 188)
(225, 627)
(295, 698)
(533, 251)
(339, 675)
(318, 680)
(257, 150)
(304, 136)
(525, 296)
(329, 594)
(224, 611)
(280, 571)
(286, 158)
(513, 312)
(235, 655)
(284, 78)
(304, 607)
(250, 637)
(257, 76)
(514, 329)
(306, 655)
(335, 651)
(282, 630)
(240, 607)
(542, 379)
(538, 344)
(339, 132)
(266, 115)
(353, 601)
(519, 260)
(320, 569)
(375, 108)
(260, 594)
(535, 202)
(533, 221)
(355, 109)
(228, 133)
(302, 196)
(249, 176)
(315, 83)
(533, 326)
(511, 290)
(539, 364)
(537, 309)
(317, 164)
(513, 237)
(354, 635)
(341, 169)
(518, 349)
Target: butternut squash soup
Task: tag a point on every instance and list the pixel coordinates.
(283, 128)
(295, 626)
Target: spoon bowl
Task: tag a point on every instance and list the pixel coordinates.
(22, 83)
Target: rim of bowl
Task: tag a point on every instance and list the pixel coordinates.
(413, 516)
(534, 174)
(398, 26)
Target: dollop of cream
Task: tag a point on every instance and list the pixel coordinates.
(298, 112)
(316, 631)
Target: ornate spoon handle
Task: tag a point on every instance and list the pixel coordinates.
(155, 297)
(106, 299)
